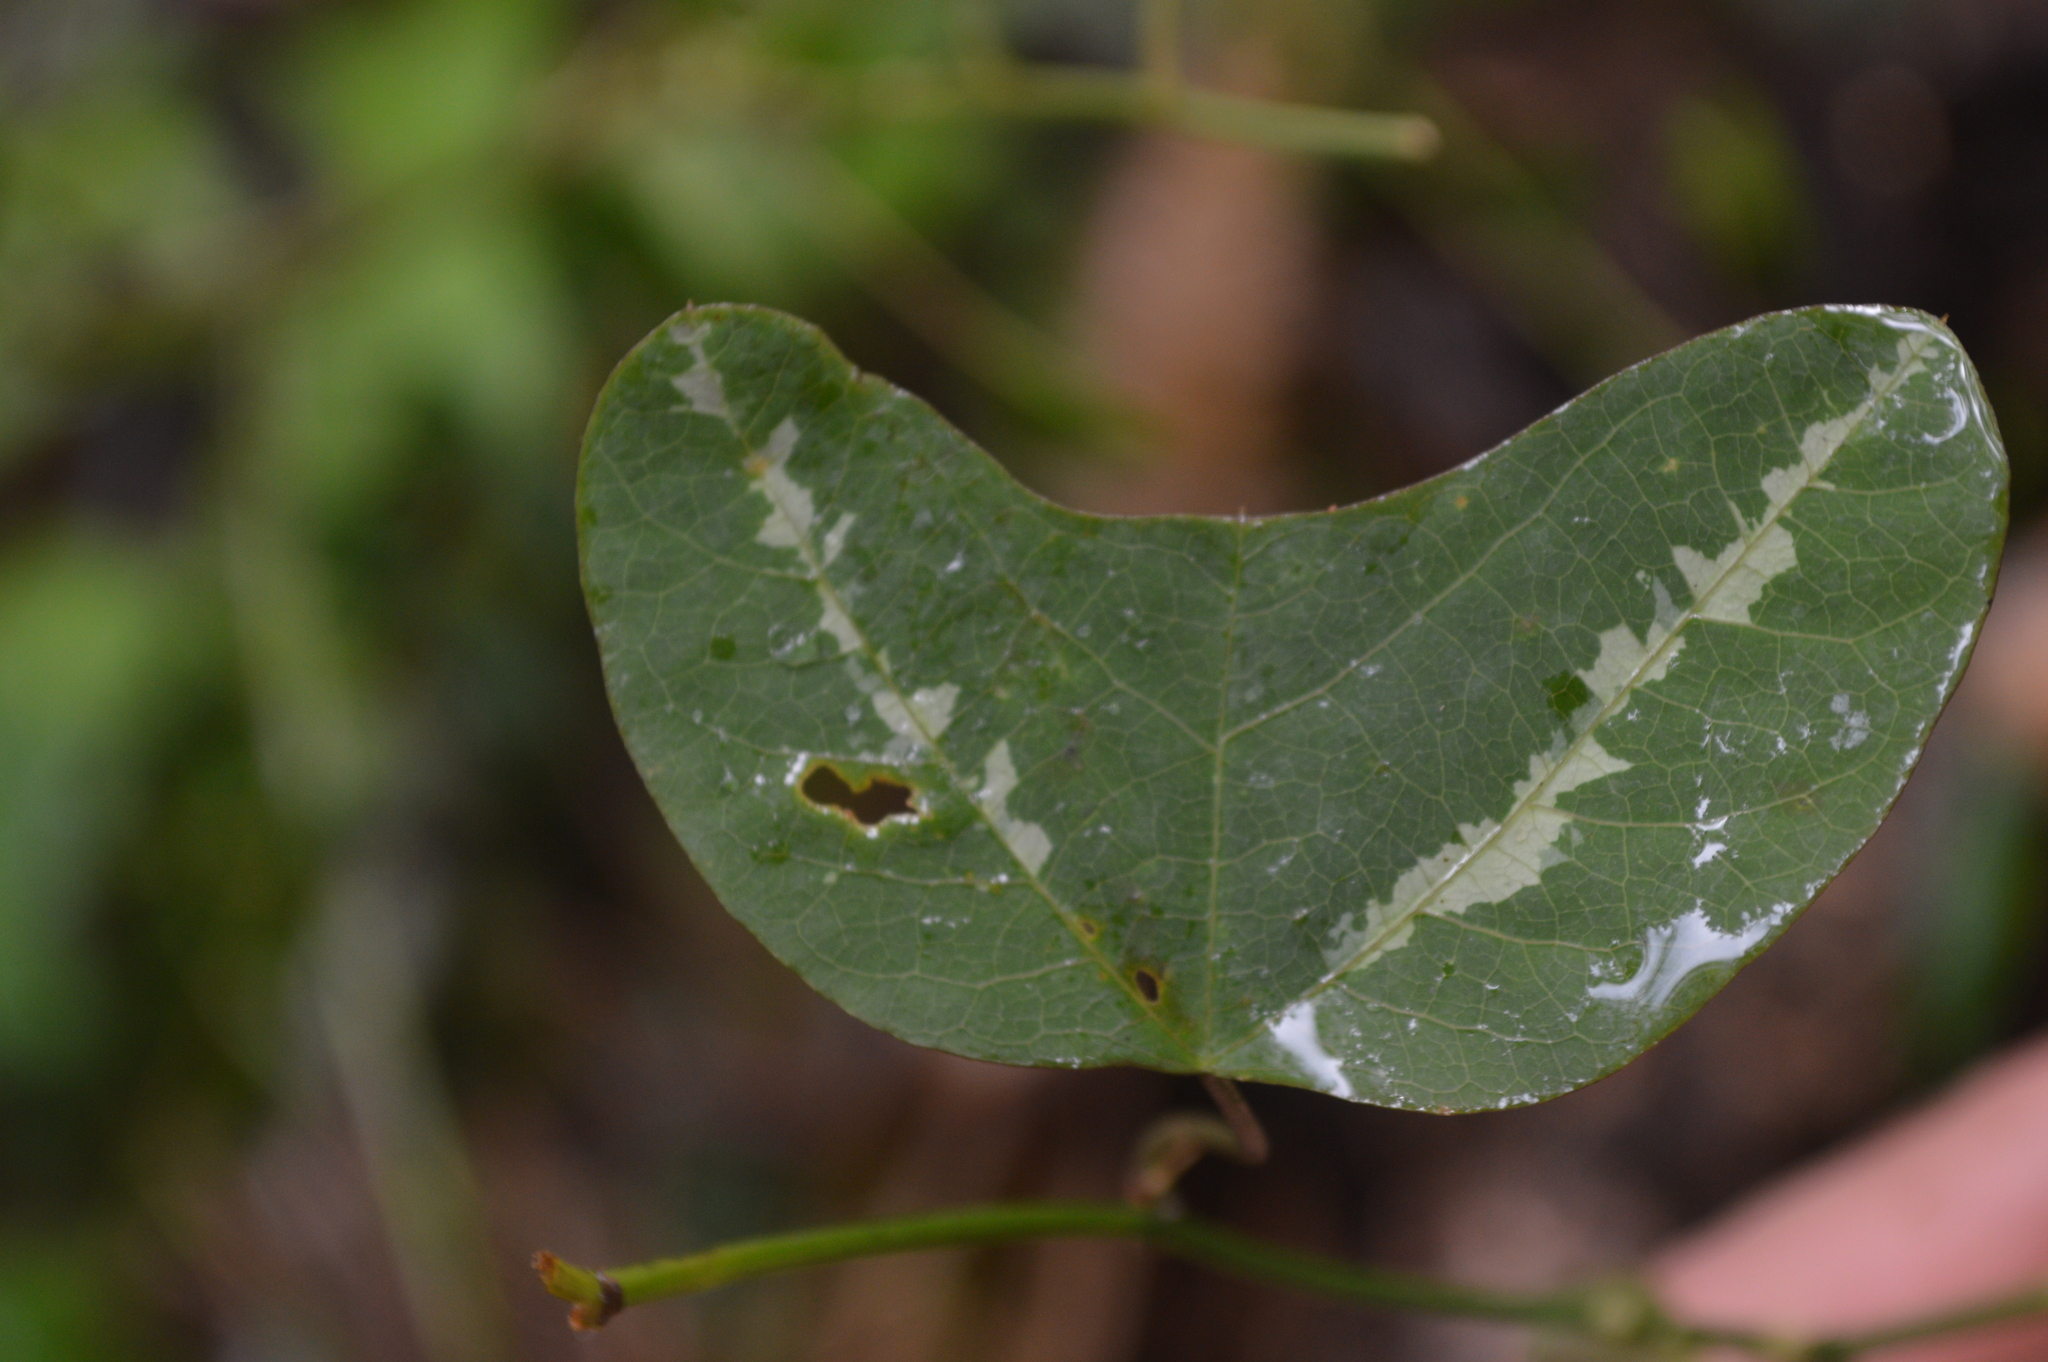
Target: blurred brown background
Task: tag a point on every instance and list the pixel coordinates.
(343, 961)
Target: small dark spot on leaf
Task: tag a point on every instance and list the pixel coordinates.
(1567, 692)
(1148, 985)
(877, 798)
(1798, 795)
(1088, 927)
(723, 648)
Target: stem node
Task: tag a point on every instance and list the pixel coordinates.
(594, 1297)
(1622, 1311)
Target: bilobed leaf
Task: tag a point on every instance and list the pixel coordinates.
(1455, 799)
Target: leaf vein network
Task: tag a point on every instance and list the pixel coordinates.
(1652, 658)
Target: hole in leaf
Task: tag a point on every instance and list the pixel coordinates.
(1148, 985)
(877, 798)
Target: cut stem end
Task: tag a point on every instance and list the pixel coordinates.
(593, 1296)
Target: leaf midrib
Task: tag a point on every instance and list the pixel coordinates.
(1218, 747)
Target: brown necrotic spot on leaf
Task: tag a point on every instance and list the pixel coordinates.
(1148, 985)
(876, 798)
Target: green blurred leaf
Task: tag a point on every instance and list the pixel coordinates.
(450, 303)
(723, 207)
(96, 645)
(1738, 184)
(831, 32)
(55, 1302)
(1291, 799)
(115, 197)
(930, 173)
(387, 93)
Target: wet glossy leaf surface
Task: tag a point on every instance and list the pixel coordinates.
(1455, 799)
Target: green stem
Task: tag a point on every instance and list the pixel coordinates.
(1092, 94)
(984, 81)
(1616, 1311)
(2016, 1307)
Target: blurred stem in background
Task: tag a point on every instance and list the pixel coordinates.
(1546, 273)
(370, 961)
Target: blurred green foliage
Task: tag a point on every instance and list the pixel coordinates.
(304, 306)
(385, 251)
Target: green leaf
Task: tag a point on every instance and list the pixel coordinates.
(1312, 799)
